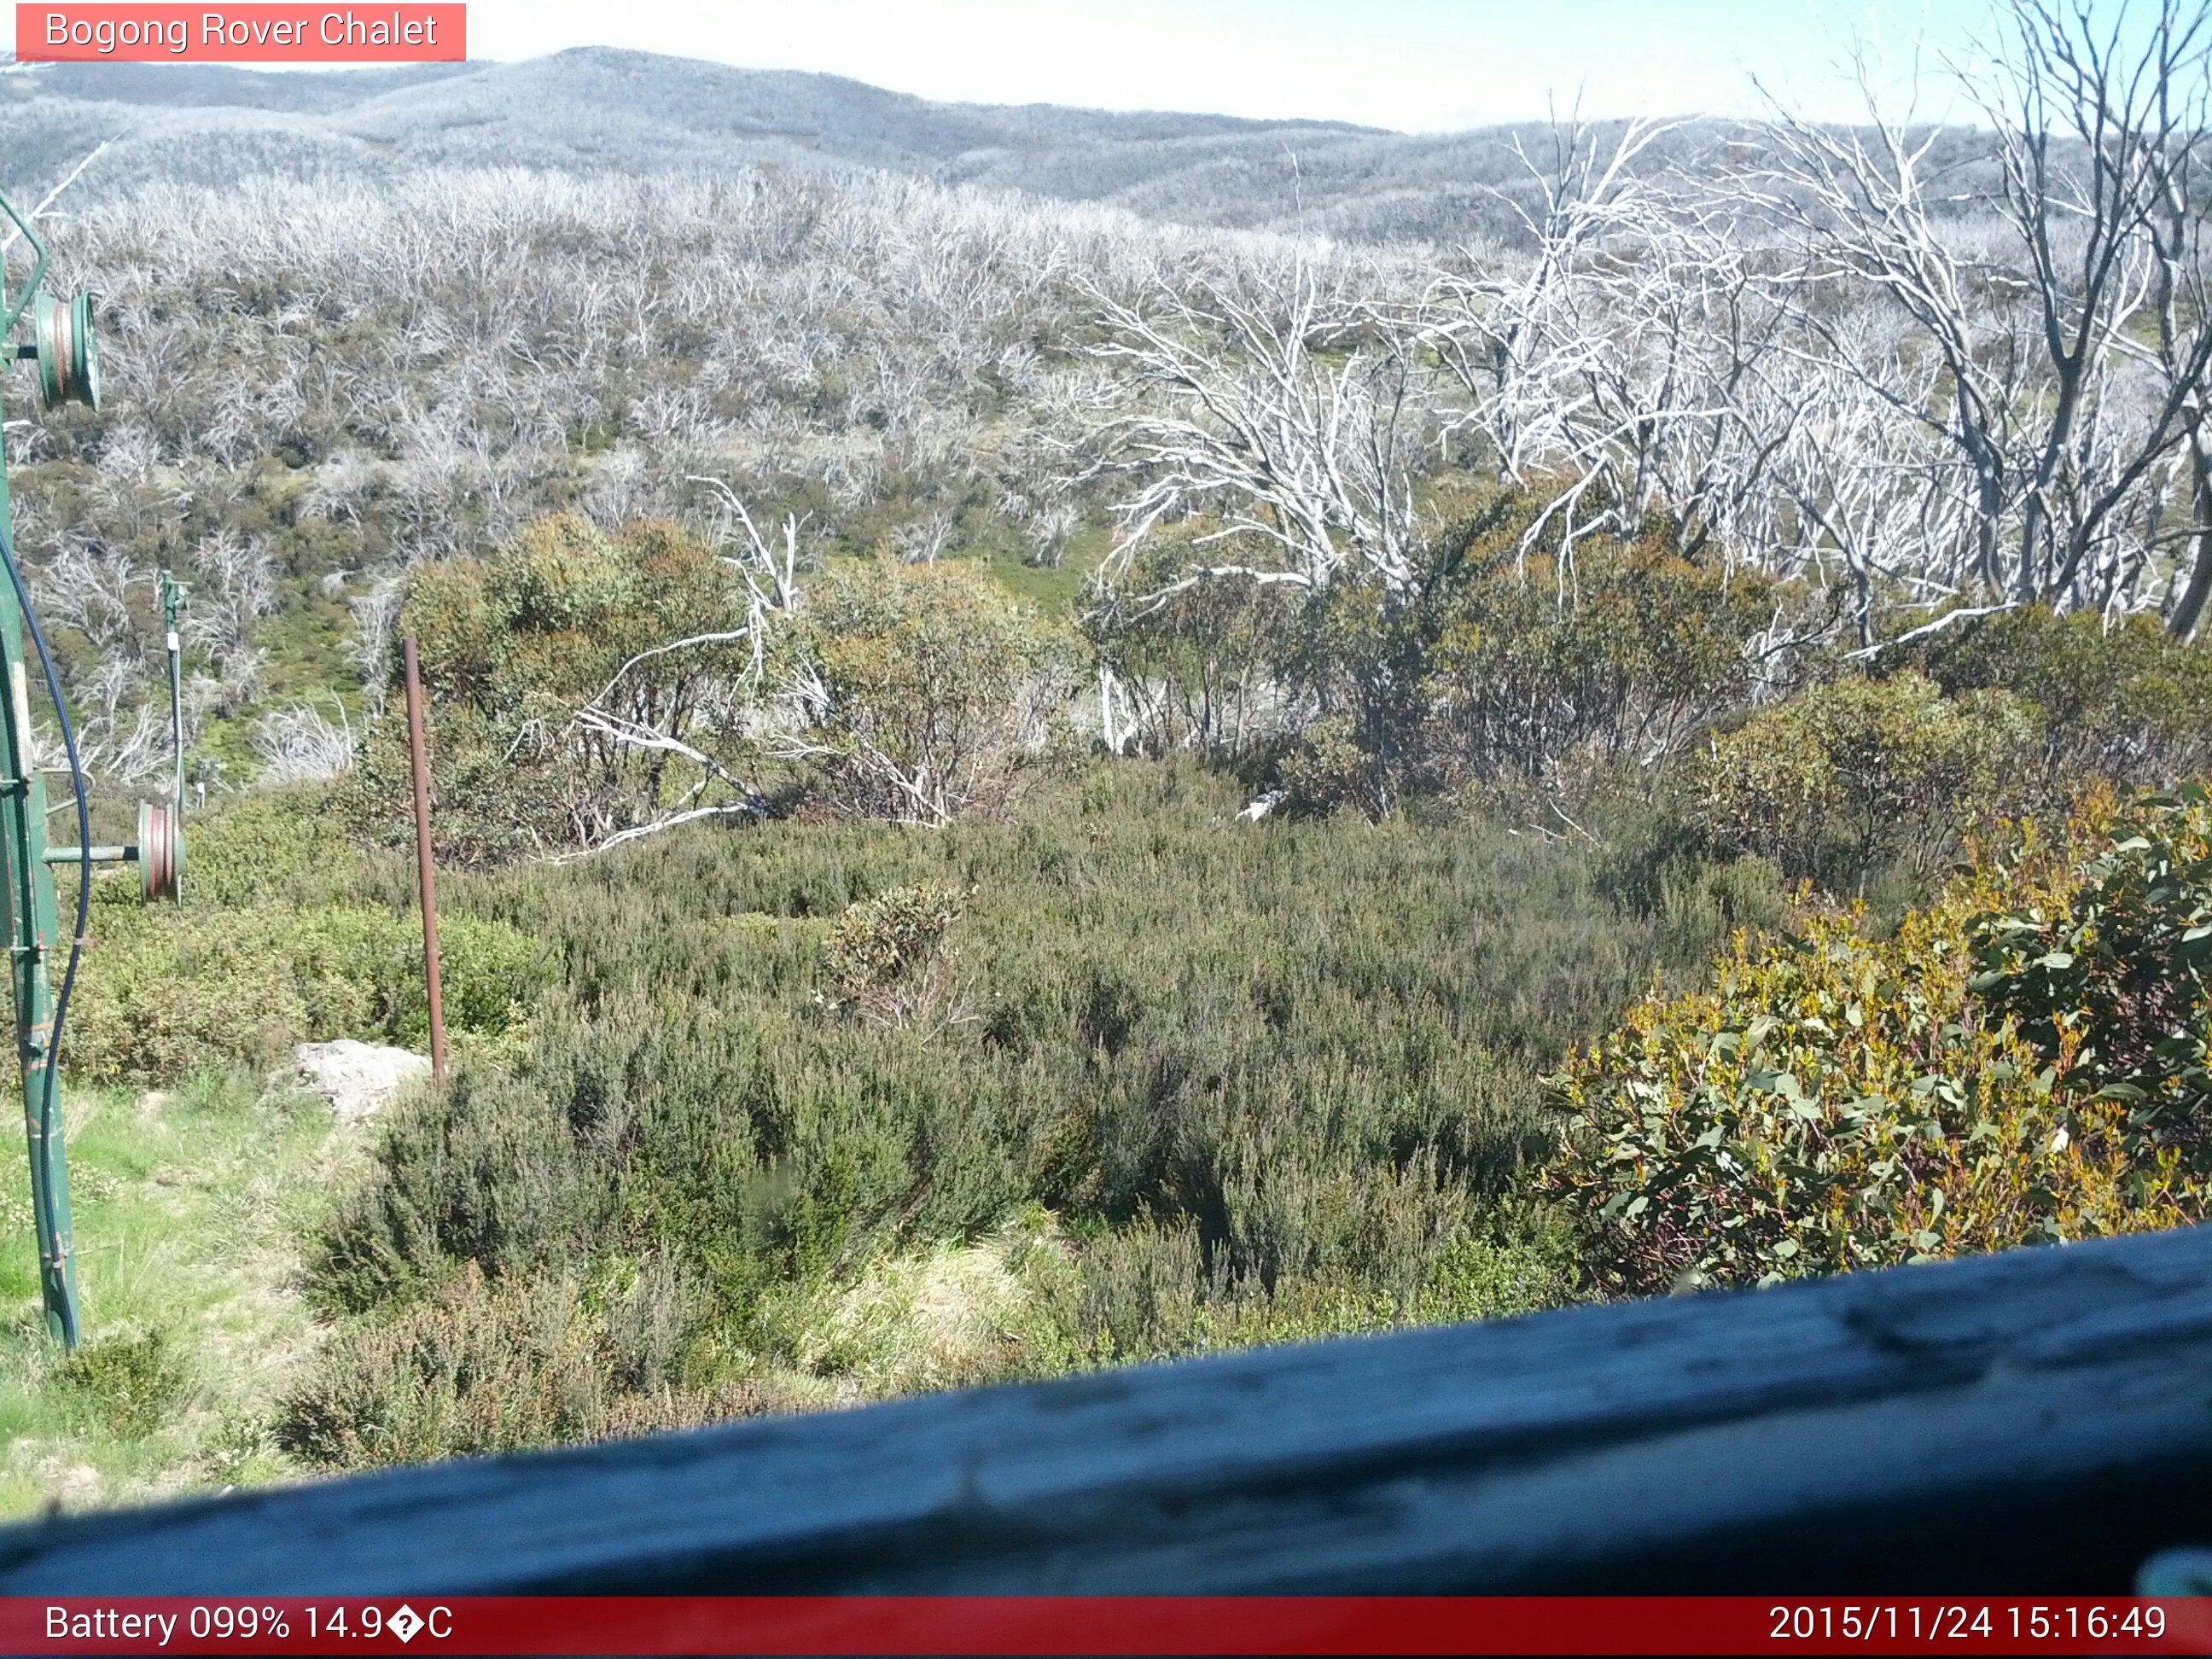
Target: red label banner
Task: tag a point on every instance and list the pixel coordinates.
(1101, 1625)
(260, 33)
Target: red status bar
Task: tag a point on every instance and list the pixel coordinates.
(260, 33)
(1101, 1625)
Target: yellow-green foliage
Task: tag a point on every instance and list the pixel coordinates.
(1837, 1100)
(886, 956)
(878, 940)
(132, 1378)
(1326, 767)
(2120, 974)
(920, 689)
(932, 683)
(1849, 776)
(542, 624)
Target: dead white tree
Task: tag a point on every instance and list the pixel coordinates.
(1514, 333)
(44, 208)
(2179, 349)
(299, 743)
(2026, 350)
(1284, 414)
(237, 588)
(2092, 124)
(1872, 225)
(680, 718)
(1617, 364)
(1867, 494)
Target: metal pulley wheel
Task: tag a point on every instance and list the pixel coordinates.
(68, 351)
(160, 851)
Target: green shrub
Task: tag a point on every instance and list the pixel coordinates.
(1147, 1293)
(1842, 779)
(1623, 656)
(490, 1174)
(264, 847)
(178, 993)
(925, 687)
(183, 989)
(512, 646)
(886, 956)
(282, 937)
(1270, 1080)
(876, 942)
(2121, 700)
(1326, 768)
(484, 1368)
(1529, 1264)
(1837, 1100)
(133, 1381)
(1500, 663)
(2115, 974)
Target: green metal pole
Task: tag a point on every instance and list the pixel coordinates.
(33, 932)
(171, 596)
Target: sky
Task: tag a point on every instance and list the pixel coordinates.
(1420, 65)
(1417, 66)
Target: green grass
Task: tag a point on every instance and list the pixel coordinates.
(189, 1209)
(1051, 590)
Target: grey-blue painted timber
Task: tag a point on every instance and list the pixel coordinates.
(2034, 1422)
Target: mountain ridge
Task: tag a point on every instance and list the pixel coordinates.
(598, 108)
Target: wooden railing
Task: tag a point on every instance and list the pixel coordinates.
(2035, 1422)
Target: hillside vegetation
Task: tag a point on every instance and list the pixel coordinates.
(796, 1105)
(1021, 788)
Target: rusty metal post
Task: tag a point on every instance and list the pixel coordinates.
(420, 756)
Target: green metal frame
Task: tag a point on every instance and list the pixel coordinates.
(38, 271)
(33, 927)
(67, 353)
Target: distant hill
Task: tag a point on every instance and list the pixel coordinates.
(597, 108)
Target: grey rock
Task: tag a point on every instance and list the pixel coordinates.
(358, 1078)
